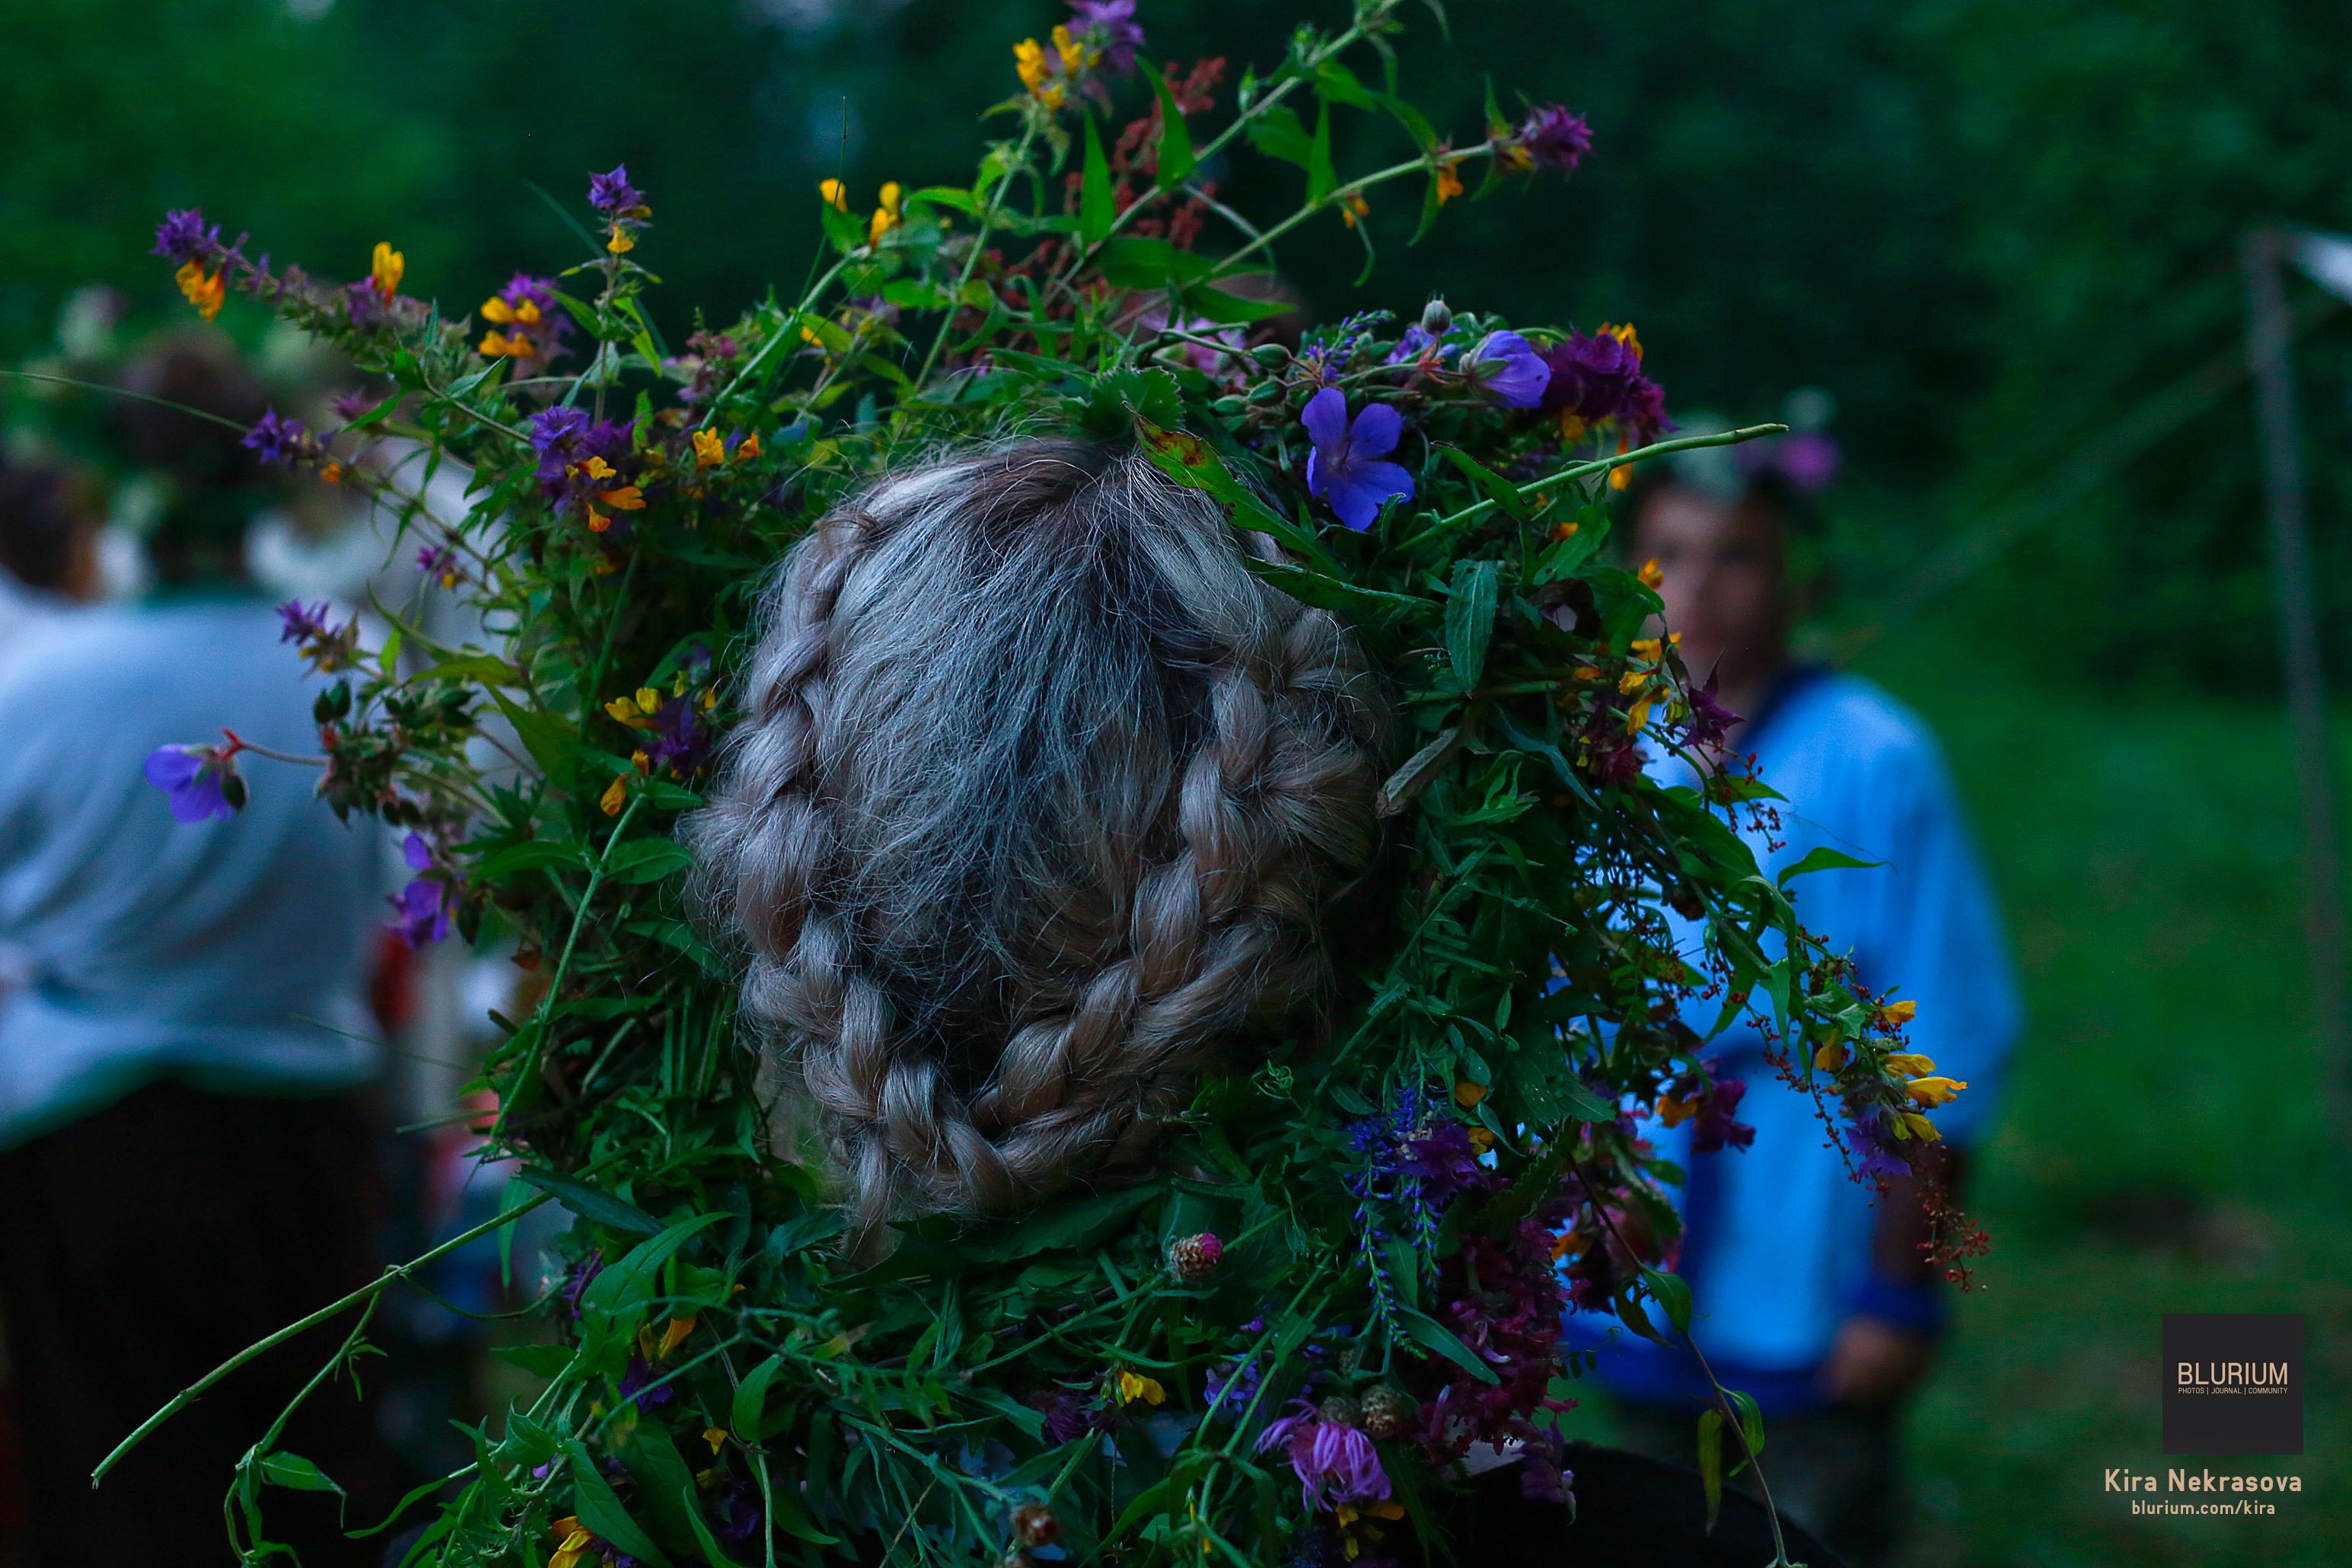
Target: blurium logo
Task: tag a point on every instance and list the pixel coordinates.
(2233, 1383)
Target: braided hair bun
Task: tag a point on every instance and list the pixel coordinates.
(1039, 795)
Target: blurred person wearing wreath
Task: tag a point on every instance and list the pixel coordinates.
(184, 1165)
(1812, 1290)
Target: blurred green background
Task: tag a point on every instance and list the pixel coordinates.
(1993, 229)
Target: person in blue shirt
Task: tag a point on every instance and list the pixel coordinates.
(1809, 1288)
(184, 1167)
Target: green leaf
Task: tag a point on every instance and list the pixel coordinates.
(589, 1204)
(295, 1473)
(711, 1550)
(1335, 83)
(1094, 214)
(1494, 486)
(1321, 178)
(532, 855)
(1672, 1293)
(1821, 857)
(547, 742)
(1372, 607)
(549, 1362)
(646, 861)
(1215, 304)
(1415, 125)
(1278, 133)
(1436, 1336)
(1470, 620)
(599, 1511)
(1176, 159)
(1145, 262)
(1410, 780)
(1711, 1462)
(789, 1514)
(750, 1407)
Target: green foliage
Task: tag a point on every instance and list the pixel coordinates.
(1385, 1194)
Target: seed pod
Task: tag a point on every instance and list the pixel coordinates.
(1342, 1409)
(1389, 1411)
(1435, 318)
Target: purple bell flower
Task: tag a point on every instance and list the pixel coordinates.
(1344, 468)
(198, 782)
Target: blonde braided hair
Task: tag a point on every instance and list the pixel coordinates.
(1039, 794)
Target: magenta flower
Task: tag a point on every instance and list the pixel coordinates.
(275, 438)
(303, 623)
(1335, 1464)
(1555, 139)
(1344, 468)
(1110, 27)
(1517, 376)
(197, 782)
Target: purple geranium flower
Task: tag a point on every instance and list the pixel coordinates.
(275, 438)
(182, 236)
(633, 1381)
(1109, 26)
(1554, 138)
(1519, 377)
(1344, 468)
(1335, 1464)
(1411, 345)
(612, 195)
(198, 782)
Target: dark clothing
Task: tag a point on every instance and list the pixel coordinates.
(1836, 1470)
(139, 1247)
(1631, 1511)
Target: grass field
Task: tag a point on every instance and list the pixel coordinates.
(2165, 1144)
(2168, 1144)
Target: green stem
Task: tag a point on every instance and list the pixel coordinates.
(367, 1292)
(1354, 188)
(972, 257)
(1534, 487)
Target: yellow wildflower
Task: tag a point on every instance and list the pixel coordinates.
(1674, 1112)
(598, 468)
(1637, 716)
(835, 195)
(1633, 680)
(1653, 649)
(1831, 1056)
(495, 343)
(1934, 1092)
(1449, 183)
(333, 473)
(1622, 476)
(1651, 574)
(1895, 1015)
(642, 762)
(709, 449)
(1563, 531)
(626, 498)
(633, 713)
(1353, 207)
(748, 448)
(620, 242)
(206, 293)
(572, 1542)
(886, 216)
(1625, 334)
(1036, 75)
(1467, 1094)
(716, 1437)
(1909, 1064)
(1074, 58)
(1586, 672)
(597, 522)
(677, 1333)
(1571, 426)
(385, 269)
(616, 796)
(1481, 1140)
(496, 310)
(1132, 1387)
(1917, 1126)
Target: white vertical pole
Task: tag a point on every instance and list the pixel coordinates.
(2262, 255)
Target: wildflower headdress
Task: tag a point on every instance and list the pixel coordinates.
(1358, 583)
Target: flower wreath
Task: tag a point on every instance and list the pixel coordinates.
(1349, 1266)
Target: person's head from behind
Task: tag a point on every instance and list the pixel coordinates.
(192, 400)
(1729, 590)
(1039, 798)
(49, 529)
